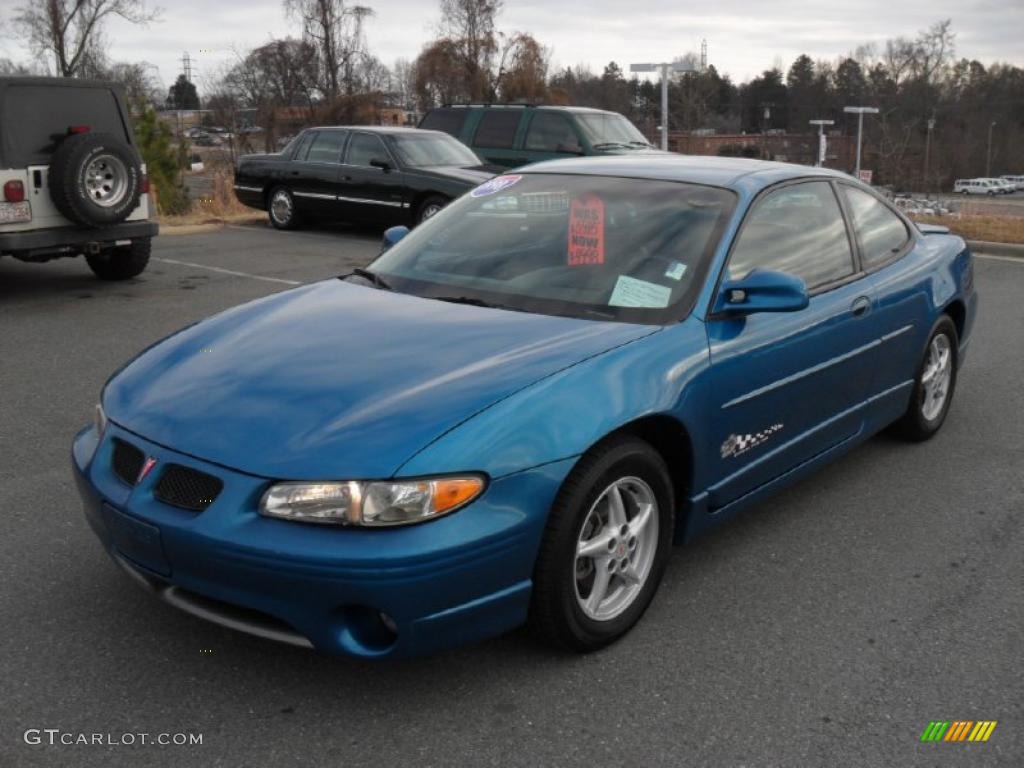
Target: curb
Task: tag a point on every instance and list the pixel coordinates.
(996, 249)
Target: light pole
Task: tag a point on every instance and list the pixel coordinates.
(821, 139)
(927, 149)
(988, 154)
(860, 112)
(664, 68)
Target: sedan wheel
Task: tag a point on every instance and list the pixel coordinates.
(616, 548)
(282, 209)
(936, 377)
(430, 208)
(605, 546)
(933, 385)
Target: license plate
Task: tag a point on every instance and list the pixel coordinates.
(11, 213)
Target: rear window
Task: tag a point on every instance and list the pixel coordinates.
(497, 129)
(36, 118)
(448, 120)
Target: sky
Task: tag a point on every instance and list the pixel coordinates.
(744, 37)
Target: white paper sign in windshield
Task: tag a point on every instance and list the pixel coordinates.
(630, 292)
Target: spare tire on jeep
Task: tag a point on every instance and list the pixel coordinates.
(95, 179)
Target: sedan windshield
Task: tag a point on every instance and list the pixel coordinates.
(610, 128)
(633, 250)
(426, 150)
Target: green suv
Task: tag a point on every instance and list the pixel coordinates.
(510, 135)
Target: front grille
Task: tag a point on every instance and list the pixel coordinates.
(187, 488)
(126, 461)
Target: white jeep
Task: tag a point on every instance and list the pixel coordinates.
(71, 179)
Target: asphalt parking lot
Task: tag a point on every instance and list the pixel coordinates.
(827, 628)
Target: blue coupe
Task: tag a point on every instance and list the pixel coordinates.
(519, 407)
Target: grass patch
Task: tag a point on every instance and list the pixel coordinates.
(994, 229)
(220, 207)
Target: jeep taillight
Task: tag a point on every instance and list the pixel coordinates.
(145, 184)
(14, 192)
(73, 129)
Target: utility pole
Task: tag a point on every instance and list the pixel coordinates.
(860, 112)
(186, 66)
(927, 148)
(664, 68)
(822, 142)
(988, 154)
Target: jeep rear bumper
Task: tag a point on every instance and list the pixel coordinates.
(40, 244)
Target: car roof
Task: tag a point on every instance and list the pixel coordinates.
(61, 82)
(730, 172)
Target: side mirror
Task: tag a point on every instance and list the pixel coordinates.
(762, 290)
(384, 165)
(392, 235)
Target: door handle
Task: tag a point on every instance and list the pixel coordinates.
(861, 306)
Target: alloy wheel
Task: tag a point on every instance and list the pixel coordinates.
(616, 548)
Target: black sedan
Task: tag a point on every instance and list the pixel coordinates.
(359, 174)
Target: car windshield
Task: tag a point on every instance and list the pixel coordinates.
(633, 250)
(425, 150)
(610, 128)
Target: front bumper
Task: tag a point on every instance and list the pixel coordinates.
(451, 581)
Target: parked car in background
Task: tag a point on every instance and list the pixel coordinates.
(71, 178)
(510, 135)
(1003, 186)
(976, 187)
(515, 411)
(1016, 180)
(359, 174)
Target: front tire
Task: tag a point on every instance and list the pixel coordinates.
(605, 546)
(430, 207)
(121, 262)
(933, 385)
(281, 209)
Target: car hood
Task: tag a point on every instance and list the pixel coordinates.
(338, 380)
(471, 175)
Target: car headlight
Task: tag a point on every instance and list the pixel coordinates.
(382, 503)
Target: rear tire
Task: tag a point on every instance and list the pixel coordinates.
(593, 543)
(281, 208)
(122, 262)
(934, 385)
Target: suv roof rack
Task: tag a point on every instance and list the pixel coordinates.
(520, 104)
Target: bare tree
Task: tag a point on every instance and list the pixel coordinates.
(469, 26)
(336, 31)
(69, 30)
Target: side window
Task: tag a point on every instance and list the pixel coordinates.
(365, 147)
(550, 132)
(447, 119)
(302, 146)
(881, 232)
(497, 129)
(799, 230)
(326, 147)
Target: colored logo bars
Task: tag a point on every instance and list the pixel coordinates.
(958, 730)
